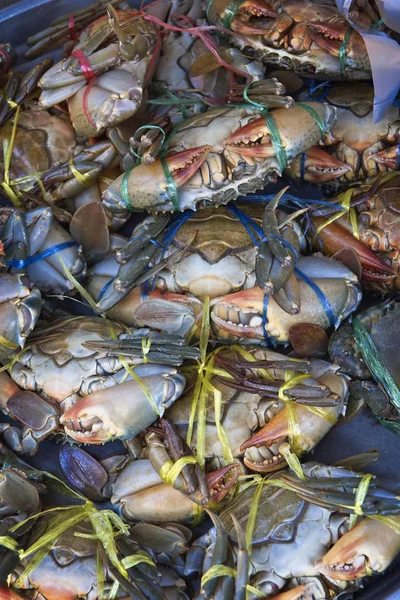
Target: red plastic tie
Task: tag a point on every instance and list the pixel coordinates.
(84, 64)
(7, 61)
(71, 27)
(90, 77)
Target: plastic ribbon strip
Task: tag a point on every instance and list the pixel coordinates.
(170, 471)
(71, 27)
(8, 146)
(375, 362)
(131, 150)
(84, 178)
(7, 61)
(90, 77)
(321, 296)
(30, 260)
(342, 51)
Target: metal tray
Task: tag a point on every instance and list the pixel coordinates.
(19, 20)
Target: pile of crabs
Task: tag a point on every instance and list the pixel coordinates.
(177, 337)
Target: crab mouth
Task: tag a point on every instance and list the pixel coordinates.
(251, 140)
(347, 571)
(240, 322)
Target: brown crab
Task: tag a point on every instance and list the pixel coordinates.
(355, 147)
(302, 35)
(378, 230)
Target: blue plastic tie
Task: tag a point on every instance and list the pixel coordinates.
(30, 260)
(303, 165)
(105, 288)
(321, 296)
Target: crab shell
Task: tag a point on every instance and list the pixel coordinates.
(244, 413)
(41, 141)
(302, 35)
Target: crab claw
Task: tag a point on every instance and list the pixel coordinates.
(388, 158)
(369, 546)
(7, 593)
(298, 130)
(124, 410)
(148, 184)
(222, 481)
(272, 434)
(331, 36)
(250, 17)
(317, 166)
(334, 238)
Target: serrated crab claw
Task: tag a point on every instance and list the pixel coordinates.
(148, 185)
(332, 36)
(367, 548)
(298, 131)
(317, 166)
(389, 158)
(250, 17)
(222, 481)
(122, 411)
(333, 238)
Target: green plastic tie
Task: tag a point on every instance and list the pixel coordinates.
(342, 51)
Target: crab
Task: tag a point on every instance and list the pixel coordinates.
(376, 236)
(280, 561)
(303, 36)
(35, 244)
(216, 156)
(88, 386)
(255, 420)
(73, 563)
(41, 141)
(245, 279)
(368, 350)
(358, 147)
(105, 76)
(20, 305)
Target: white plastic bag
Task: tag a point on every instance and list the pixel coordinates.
(383, 52)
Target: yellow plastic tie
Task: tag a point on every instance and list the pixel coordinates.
(132, 373)
(170, 470)
(292, 460)
(8, 343)
(146, 345)
(8, 542)
(360, 495)
(291, 380)
(8, 146)
(217, 571)
(83, 178)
